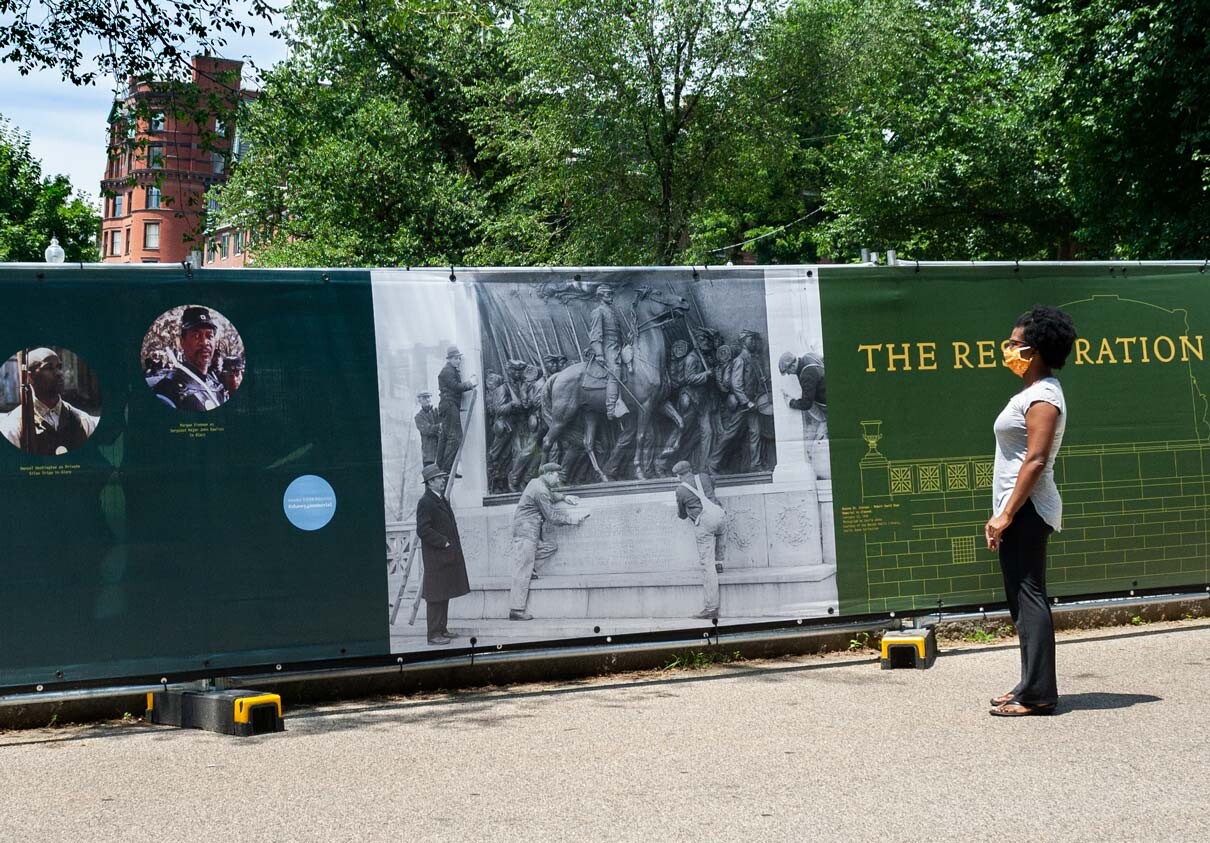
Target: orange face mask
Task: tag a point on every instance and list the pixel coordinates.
(1015, 362)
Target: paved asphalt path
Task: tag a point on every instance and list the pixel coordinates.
(803, 749)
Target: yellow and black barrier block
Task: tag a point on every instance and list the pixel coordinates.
(909, 648)
(228, 712)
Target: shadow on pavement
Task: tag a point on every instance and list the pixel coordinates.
(1101, 701)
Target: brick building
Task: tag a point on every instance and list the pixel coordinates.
(162, 160)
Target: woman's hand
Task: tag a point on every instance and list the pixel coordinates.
(994, 529)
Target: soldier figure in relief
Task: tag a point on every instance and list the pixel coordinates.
(605, 340)
(746, 382)
(499, 402)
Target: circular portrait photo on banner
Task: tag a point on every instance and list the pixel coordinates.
(50, 400)
(193, 358)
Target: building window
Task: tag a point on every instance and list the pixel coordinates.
(220, 127)
(151, 235)
(153, 197)
(127, 252)
(216, 162)
(117, 205)
(239, 242)
(224, 244)
(156, 124)
(117, 243)
(155, 156)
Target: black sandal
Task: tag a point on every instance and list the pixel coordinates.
(1024, 710)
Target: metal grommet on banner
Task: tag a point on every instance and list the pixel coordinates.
(327, 279)
(453, 277)
(1017, 265)
(1206, 264)
(695, 275)
(185, 265)
(917, 264)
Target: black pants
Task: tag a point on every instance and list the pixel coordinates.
(437, 613)
(450, 437)
(1023, 563)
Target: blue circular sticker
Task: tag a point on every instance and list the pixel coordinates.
(309, 502)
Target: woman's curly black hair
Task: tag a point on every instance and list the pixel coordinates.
(1050, 331)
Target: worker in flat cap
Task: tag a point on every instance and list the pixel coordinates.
(54, 426)
(554, 363)
(192, 385)
(451, 388)
(812, 401)
(538, 506)
(808, 368)
(696, 503)
(441, 551)
(231, 374)
(428, 424)
(605, 339)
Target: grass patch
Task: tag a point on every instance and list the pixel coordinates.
(701, 659)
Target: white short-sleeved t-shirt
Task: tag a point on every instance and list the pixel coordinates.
(1011, 447)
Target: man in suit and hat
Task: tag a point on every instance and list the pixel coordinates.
(441, 549)
(535, 508)
(191, 385)
(58, 427)
(695, 502)
(451, 386)
(428, 423)
(605, 340)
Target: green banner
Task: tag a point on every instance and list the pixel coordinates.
(147, 535)
(214, 470)
(916, 380)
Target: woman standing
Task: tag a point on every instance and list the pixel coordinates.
(1026, 503)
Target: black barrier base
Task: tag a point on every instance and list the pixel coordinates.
(915, 648)
(231, 712)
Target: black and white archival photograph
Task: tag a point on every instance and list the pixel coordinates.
(579, 452)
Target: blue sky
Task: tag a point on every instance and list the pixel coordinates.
(66, 124)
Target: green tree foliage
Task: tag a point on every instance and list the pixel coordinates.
(928, 144)
(1127, 108)
(360, 152)
(85, 40)
(34, 208)
(660, 131)
(621, 120)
